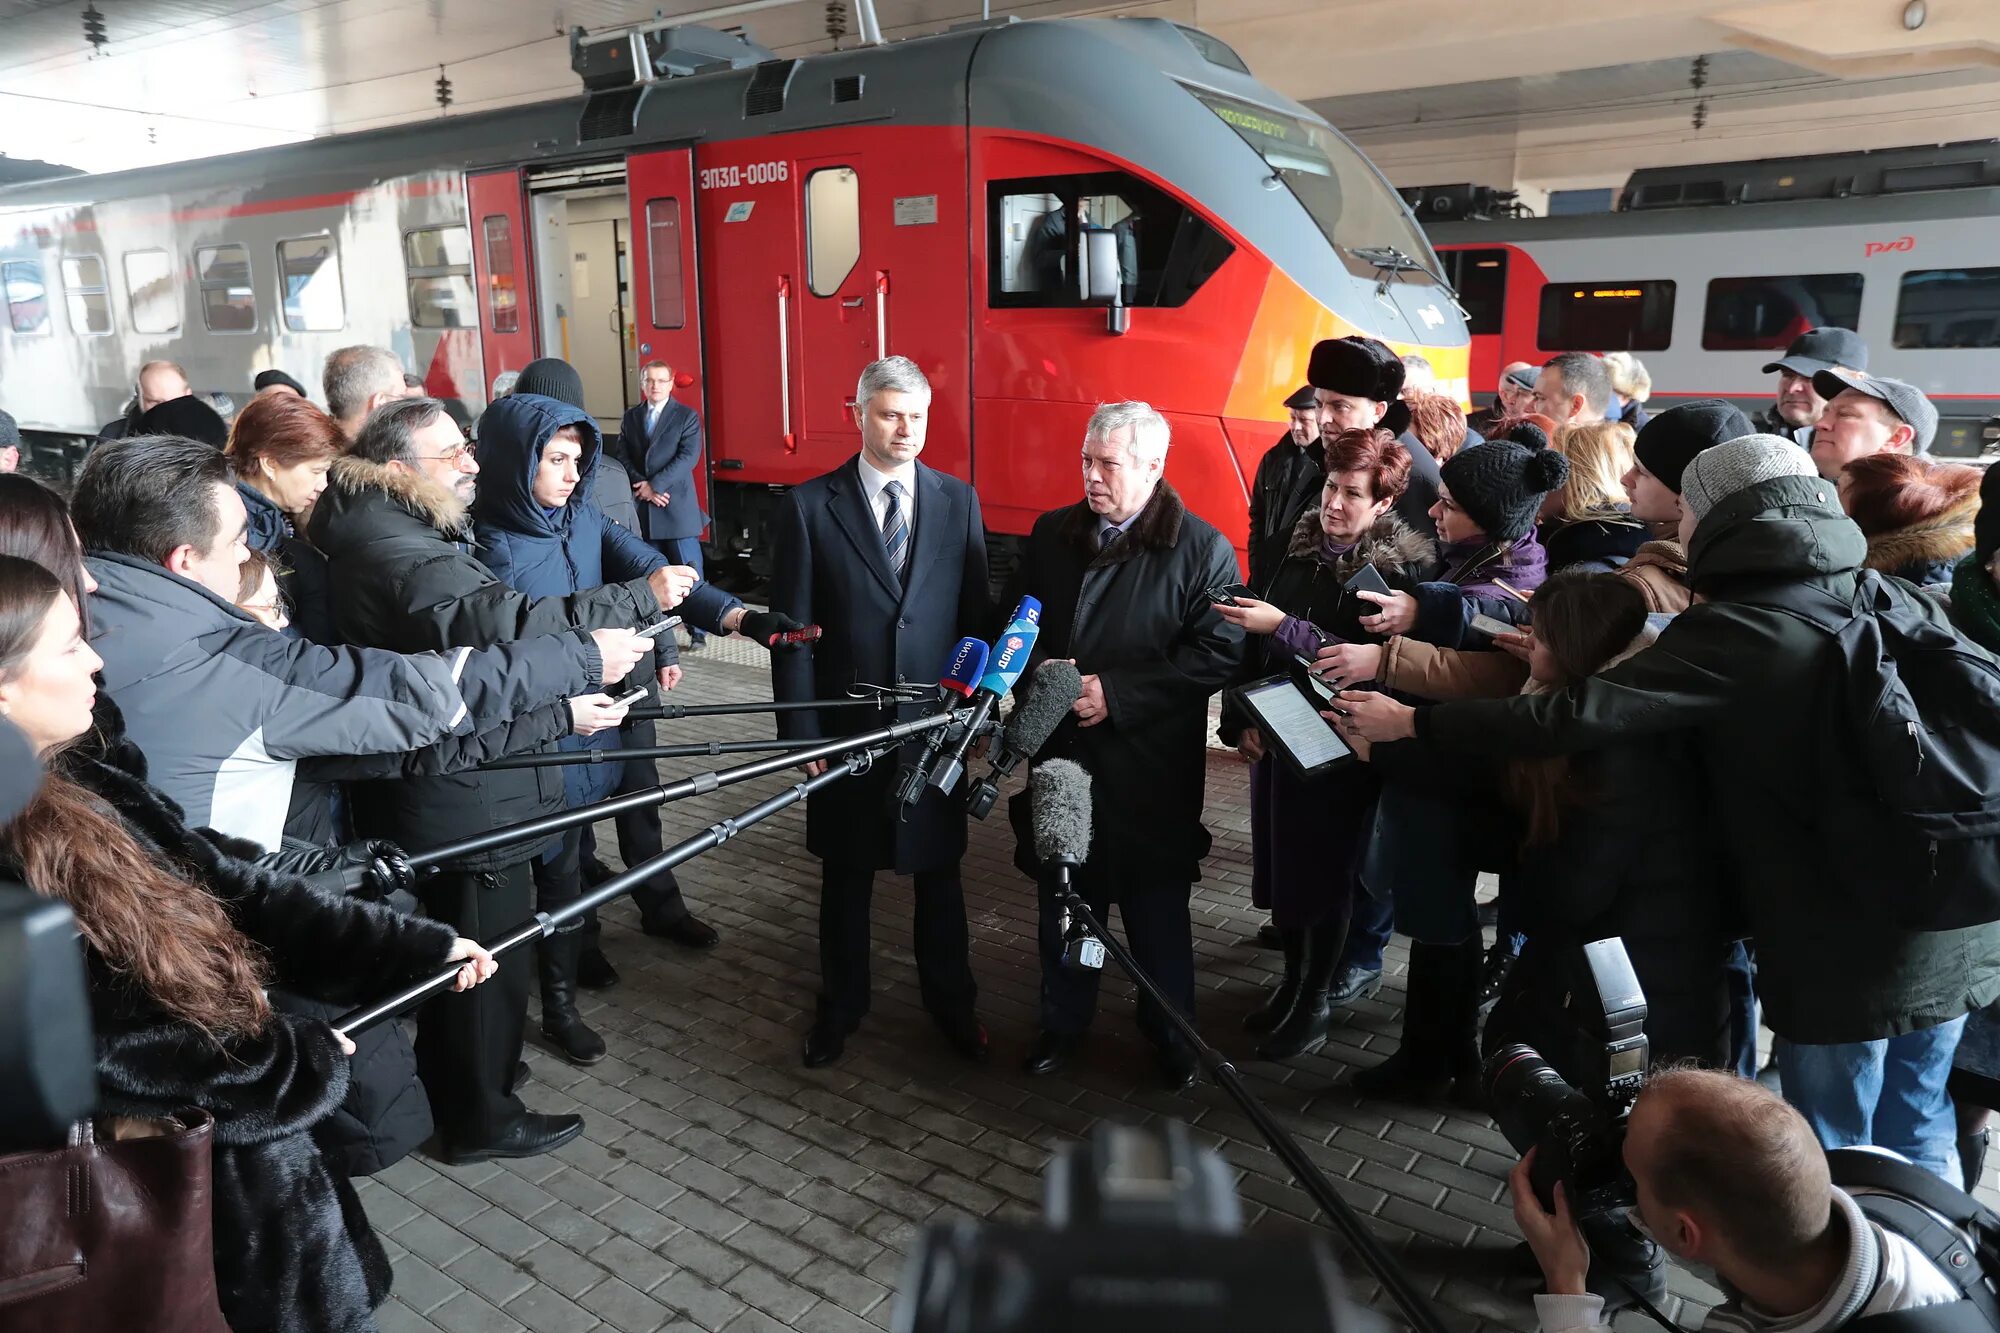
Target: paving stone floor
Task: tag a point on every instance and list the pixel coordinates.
(720, 1185)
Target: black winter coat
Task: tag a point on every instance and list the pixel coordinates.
(1598, 544)
(293, 1249)
(1138, 617)
(829, 568)
(404, 577)
(1275, 507)
(302, 570)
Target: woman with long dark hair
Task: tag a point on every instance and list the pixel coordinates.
(182, 937)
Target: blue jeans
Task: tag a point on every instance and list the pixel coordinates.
(1370, 922)
(1740, 974)
(1886, 1094)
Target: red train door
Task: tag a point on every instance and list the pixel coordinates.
(837, 312)
(666, 305)
(496, 204)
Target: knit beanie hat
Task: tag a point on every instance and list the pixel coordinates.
(1500, 484)
(1737, 465)
(10, 436)
(1986, 526)
(266, 378)
(1669, 441)
(552, 377)
(188, 417)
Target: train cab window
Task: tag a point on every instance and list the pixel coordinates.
(663, 263)
(1035, 233)
(1480, 279)
(27, 296)
(1948, 307)
(438, 262)
(84, 291)
(309, 280)
(151, 291)
(228, 301)
(503, 300)
(833, 228)
(1616, 315)
(1758, 314)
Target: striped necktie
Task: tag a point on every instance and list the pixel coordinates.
(895, 529)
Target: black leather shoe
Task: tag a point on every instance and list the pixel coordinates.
(1354, 985)
(1178, 1068)
(1269, 938)
(595, 872)
(967, 1036)
(686, 932)
(1052, 1050)
(530, 1136)
(824, 1044)
(594, 971)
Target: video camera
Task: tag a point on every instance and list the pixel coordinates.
(1143, 1233)
(1567, 1096)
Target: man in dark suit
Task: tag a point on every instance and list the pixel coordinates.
(1288, 482)
(890, 557)
(659, 443)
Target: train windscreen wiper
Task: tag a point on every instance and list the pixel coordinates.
(1388, 260)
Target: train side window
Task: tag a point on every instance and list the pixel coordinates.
(1035, 231)
(1615, 315)
(84, 290)
(228, 301)
(27, 296)
(1948, 307)
(1756, 314)
(151, 290)
(1480, 279)
(663, 263)
(833, 227)
(438, 262)
(309, 281)
(503, 300)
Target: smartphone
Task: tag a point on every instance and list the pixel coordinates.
(658, 627)
(1367, 579)
(1229, 592)
(1489, 626)
(1347, 614)
(634, 697)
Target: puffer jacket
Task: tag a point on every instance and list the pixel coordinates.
(301, 569)
(1748, 682)
(404, 576)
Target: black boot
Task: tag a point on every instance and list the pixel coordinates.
(1272, 1012)
(1305, 1028)
(1500, 960)
(1439, 1056)
(561, 1024)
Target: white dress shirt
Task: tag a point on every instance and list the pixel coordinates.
(874, 482)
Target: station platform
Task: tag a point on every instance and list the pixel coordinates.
(720, 1185)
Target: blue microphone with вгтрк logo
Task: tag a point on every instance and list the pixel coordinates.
(961, 677)
(1009, 659)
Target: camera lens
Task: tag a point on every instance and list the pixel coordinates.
(1528, 1096)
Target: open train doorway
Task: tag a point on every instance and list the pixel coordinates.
(583, 280)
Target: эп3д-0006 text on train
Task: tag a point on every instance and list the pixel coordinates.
(768, 226)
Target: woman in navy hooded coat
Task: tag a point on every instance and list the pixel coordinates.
(546, 550)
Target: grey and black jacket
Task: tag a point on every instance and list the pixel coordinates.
(224, 708)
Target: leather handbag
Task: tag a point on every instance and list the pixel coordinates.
(112, 1235)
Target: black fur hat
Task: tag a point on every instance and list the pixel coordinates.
(1361, 368)
(1500, 484)
(188, 417)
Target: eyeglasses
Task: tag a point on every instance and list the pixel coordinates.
(463, 453)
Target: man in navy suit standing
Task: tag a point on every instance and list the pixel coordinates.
(890, 557)
(659, 442)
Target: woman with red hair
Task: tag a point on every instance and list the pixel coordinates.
(280, 450)
(1917, 515)
(1307, 838)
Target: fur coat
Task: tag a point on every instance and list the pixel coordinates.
(293, 1250)
(1925, 551)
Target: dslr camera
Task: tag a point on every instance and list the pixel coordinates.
(1568, 1094)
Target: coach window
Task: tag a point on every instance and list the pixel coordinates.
(663, 263)
(27, 296)
(150, 289)
(84, 290)
(228, 301)
(1616, 315)
(1761, 314)
(1035, 232)
(833, 228)
(1948, 307)
(438, 262)
(1480, 279)
(309, 278)
(503, 299)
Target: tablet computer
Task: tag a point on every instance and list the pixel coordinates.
(1292, 728)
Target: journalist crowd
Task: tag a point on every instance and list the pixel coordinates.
(1719, 687)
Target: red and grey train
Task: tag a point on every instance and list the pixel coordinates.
(778, 223)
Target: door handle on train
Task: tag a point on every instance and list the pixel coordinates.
(881, 312)
(785, 360)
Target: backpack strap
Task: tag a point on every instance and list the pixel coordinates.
(1855, 1169)
(1952, 1317)
(1816, 606)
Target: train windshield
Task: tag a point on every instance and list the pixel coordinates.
(1354, 207)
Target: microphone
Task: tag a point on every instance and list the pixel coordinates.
(1011, 652)
(1059, 793)
(1043, 706)
(961, 677)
